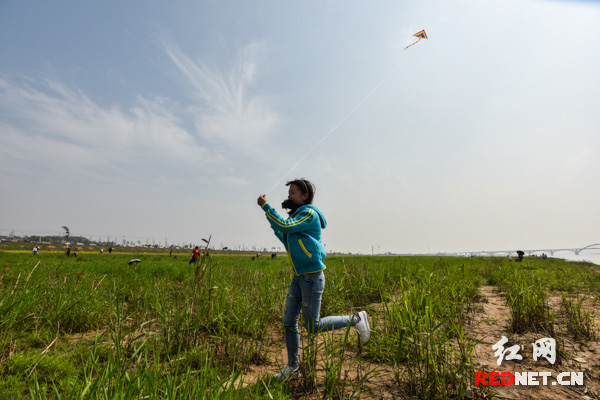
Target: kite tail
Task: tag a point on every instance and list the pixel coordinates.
(412, 44)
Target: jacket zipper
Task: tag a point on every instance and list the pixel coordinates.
(287, 239)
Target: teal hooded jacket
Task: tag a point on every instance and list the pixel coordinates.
(301, 236)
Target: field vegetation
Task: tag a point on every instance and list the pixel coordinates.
(93, 326)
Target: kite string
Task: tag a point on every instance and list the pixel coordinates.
(337, 125)
(412, 44)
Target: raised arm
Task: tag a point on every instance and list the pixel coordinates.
(298, 223)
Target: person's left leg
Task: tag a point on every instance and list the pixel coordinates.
(290, 322)
(312, 286)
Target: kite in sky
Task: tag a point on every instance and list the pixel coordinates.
(420, 35)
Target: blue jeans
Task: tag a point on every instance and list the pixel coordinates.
(305, 295)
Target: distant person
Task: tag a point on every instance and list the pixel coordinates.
(101, 251)
(170, 252)
(509, 258)
(36, 250)
(300, 233)
(195, 255)
(520, 255)
(75, 253)
(110, 249)
(68, 251)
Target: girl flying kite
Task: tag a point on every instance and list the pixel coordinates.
(301, 236)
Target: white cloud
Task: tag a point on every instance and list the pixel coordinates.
(58, 127)
(228, 112)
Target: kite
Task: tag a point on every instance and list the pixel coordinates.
(420, 35)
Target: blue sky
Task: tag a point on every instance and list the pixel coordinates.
(155, 120)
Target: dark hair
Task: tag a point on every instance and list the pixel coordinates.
(306, 187)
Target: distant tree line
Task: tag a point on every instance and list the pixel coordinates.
(53, 240)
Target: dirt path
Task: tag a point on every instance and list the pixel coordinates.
(377, 378)
(493, 321)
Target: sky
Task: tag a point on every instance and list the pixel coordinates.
(164, 121)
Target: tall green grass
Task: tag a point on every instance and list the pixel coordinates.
(425, 334)
(528, 284)
(95, 327)
(580, 322)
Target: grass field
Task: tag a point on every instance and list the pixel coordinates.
(93, 326)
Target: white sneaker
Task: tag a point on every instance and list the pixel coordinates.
(286, 373)
(363, 327)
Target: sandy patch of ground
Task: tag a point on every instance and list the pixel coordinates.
(493, 322)
(372, 381)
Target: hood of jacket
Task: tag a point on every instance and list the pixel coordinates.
(316, 210)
